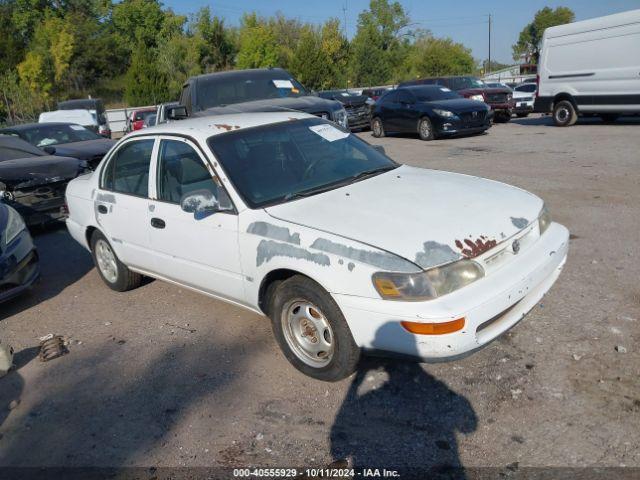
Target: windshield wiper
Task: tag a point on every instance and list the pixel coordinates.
(373, 172)
(312, 191)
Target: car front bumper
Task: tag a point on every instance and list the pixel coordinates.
(523, 107)
(448, 127)
(19, 267)
(490, 306)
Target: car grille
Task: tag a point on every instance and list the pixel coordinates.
(471, 120)
(358, 115)
(496, 97)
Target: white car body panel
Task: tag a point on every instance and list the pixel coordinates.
(406, 220)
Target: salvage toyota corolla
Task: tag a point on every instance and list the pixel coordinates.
(293, 217)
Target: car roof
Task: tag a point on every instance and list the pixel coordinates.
(244, 74)
(206, 126)
(28, 126)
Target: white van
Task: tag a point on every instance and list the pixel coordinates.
(590, 67)
(86, 118)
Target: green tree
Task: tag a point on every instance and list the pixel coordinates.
(18, 103)
(308, 62)
(138, 22)
(530, 38)
(258, 43)
(216, 48)
(376, 49)
(335, 47)
(430, 56)
(146, 83)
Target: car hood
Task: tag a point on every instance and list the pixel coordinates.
(352, 100)
(428, 217)
(475, 91)
(308, 103)
(85, 150)
(31, 171)
(458, 105)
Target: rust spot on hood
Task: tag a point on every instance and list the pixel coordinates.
(472, 248)
(226, 126)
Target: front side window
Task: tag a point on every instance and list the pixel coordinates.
(280, 162)
(181, 171)
(128, 169)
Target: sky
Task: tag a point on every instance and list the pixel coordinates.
(465, 21)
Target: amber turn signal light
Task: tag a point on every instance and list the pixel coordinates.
(434, 328)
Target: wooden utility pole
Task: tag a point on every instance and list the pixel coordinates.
(489, 63)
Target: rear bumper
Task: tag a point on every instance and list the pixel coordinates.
(19, 268)
(490, 306)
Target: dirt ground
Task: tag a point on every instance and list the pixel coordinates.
(161, 376)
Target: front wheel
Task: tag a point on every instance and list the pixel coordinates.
(564, 114)
(425, 129)
(112, 271)
(377, 129)
(311, 330)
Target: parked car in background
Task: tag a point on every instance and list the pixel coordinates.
(358, 107)
(33, 182)
(523, 98)
(431, 111)
(64, 139)
(294, 217)
(498, 85)
(136, 120)
(499, 99)
(255, 90)
(96, 107)
(590, 67)
(19, 268)
(375, 93)
(85, 118)
(165, 112)
(150, 121)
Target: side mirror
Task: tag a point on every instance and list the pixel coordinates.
(176, 112)
(379, 148)
(50, 150)
(203, 203)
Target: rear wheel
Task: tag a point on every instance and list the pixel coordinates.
(564, 114)
(377, 129)
(112, 271)
(311, 330)
(425, 129)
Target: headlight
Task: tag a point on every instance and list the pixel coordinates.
(340, 117)
(15, 225)
(444, 113)
(479, 98)
(433, 283)
(544, 219)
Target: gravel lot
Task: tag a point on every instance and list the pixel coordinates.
(161, 376)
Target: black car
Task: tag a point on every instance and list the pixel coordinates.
(33, 182)
(254, 90)
(358, 107)
(18, 256)
(430, 111)
(64, 139)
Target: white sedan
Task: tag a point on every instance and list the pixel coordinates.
(292, 217)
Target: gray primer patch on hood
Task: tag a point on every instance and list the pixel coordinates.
(106, 198)
(434, 254)
(267, 249)
(519, 222)
(268, 230)
(384, 260)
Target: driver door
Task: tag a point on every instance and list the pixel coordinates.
(200, 253)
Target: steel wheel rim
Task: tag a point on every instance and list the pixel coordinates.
(425, 129)
(563, 114)
(308, 333)
(377, 127)
(106, 261)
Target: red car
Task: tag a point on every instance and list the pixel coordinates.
(499, 99)
(137, 118)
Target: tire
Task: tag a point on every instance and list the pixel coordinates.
(311, 330)
(377, 129)
(425, 129)
(113, 272)
(564, 114)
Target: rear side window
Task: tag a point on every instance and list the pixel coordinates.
(390, 97)
(128, 169)
(181, 171)
(528, 88)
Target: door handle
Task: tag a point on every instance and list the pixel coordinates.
(103, 209)
(158, 223)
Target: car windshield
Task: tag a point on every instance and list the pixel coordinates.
(430, 94)
(218, 92)
(469, 82)
(45, 134)
(280, 162)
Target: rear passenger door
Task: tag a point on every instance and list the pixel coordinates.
(388, 105)
(406, 112)
(201, 253)
(121, 203)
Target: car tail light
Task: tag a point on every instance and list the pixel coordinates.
(434, 328)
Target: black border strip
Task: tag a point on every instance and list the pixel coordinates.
(572, 75)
